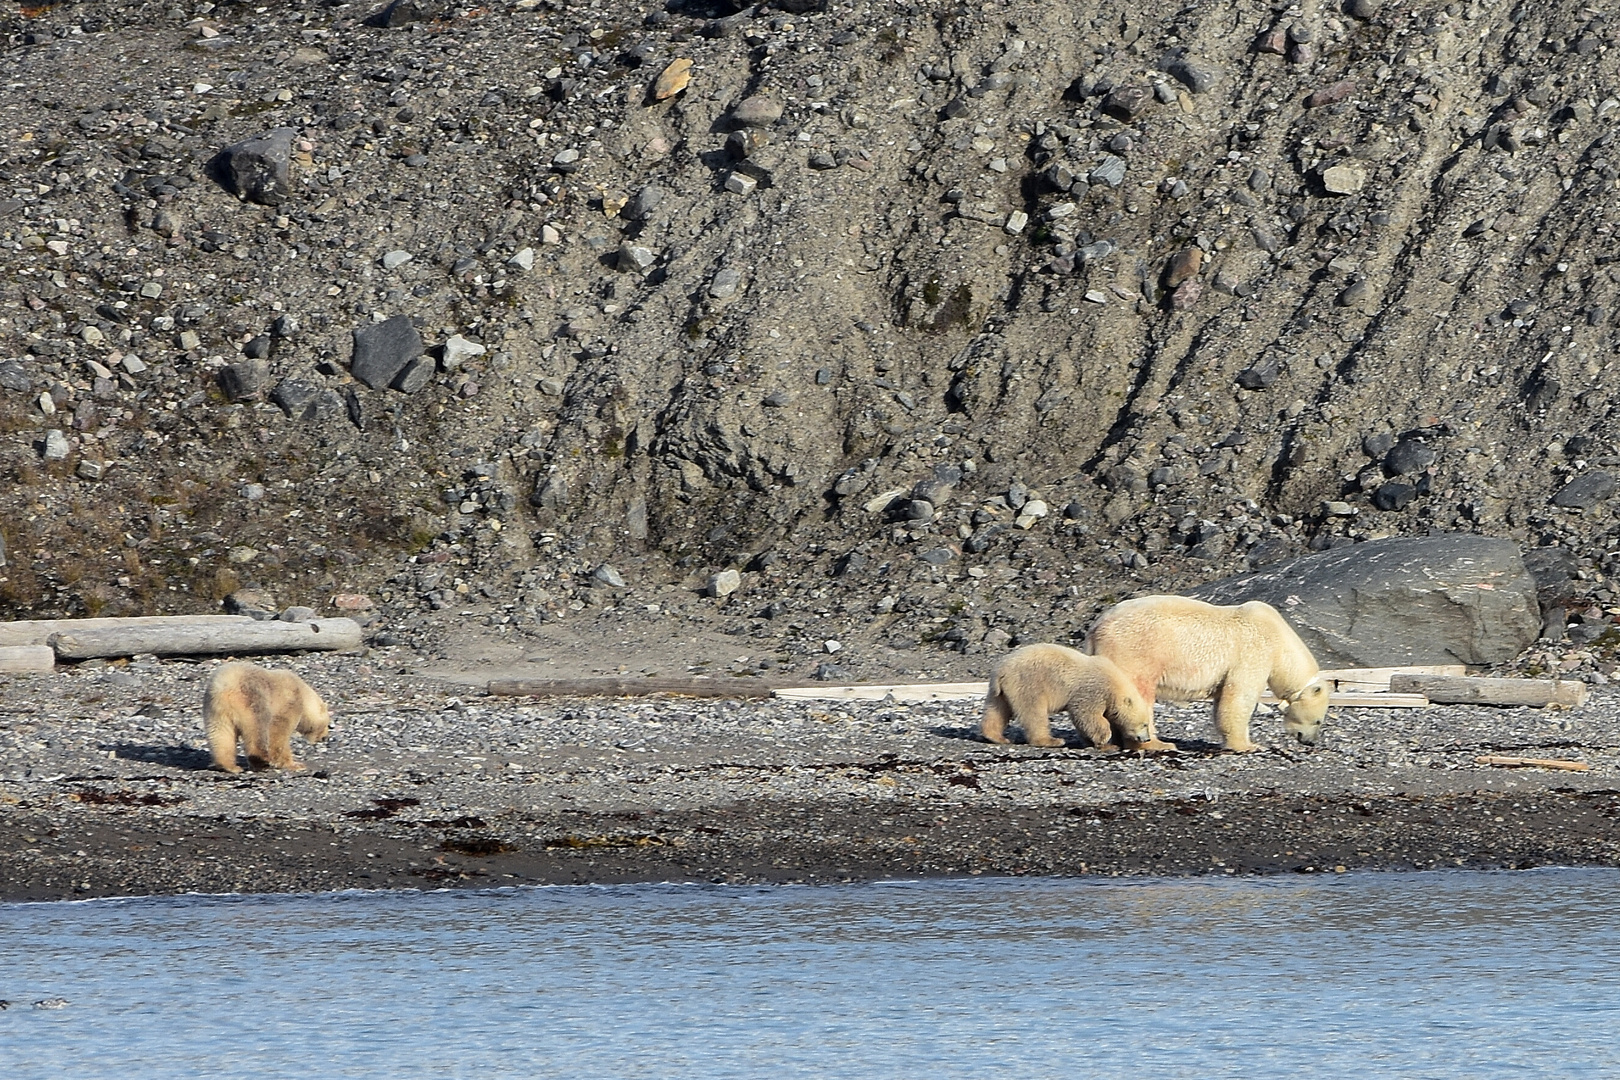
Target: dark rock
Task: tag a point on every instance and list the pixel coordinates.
(1585, 491)
(254, 603)
(294, 396)
(414, 375)
(1445, 599)
(1259, 377)
(258, 348)
(245, 380)
(1551, 566)
(1394, 495)
(1197, 78)
(1587, 632)
(916, 510)
(937, 489)
(258, 169)
(641, 207)
(1127, 102)
(382, 350)
(13, 376)
(1378, 444)
(1409, 456)
(1361, 9)
(400, 13)
(826, 671)
(938, 556)
(355, 407)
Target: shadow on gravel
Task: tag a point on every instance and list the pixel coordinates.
(179, 757)
(968, 734)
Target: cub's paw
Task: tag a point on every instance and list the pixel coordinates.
(1050, 740)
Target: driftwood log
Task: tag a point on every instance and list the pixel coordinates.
(627, 687)
(1532, 763)
(26, 659)
(213, 639)
(1451, 690)
(39, 631)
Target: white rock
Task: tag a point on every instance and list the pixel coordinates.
(1346, 179)
(724, 583)
(832, 645)
(458, 350)
(880, 503)
(1016, 222)
(741, 183)
(395, 259)
(523, 260)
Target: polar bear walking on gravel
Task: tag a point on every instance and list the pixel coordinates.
(1032, 682)
(261, 707)
(1180, 649)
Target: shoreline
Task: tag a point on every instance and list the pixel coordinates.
(65, 857)
(106, 789)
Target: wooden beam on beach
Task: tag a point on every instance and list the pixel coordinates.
(213, 639)
(39, 631)
(965, 691)
(975, 691)
(1355, 699)
(26, 659)
(627, 687)
(1532, 763)
(1376, 679)
(1450, 690)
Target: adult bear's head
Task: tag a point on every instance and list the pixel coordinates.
(1303, 717)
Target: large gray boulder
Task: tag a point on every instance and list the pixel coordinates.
(1448, 599)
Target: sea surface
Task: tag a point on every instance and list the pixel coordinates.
(1402, 975)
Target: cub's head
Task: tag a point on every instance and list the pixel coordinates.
(1132, 718)
(1303, 717)
(316, 721)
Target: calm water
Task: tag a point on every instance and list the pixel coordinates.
(1417, 975)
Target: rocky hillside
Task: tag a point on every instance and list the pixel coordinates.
(933, 320)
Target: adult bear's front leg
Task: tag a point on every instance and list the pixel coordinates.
(1234, 708)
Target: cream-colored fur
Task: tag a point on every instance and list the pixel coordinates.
(1032, 682)
(1180, 649)
(262, 708)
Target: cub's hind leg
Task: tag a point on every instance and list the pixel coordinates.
(996, 714)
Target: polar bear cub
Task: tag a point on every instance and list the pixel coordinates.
(262, 708)
(1183, 649)
(1032, 682)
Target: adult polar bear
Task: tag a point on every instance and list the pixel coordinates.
(1182, 649)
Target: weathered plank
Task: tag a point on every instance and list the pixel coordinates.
(1355, 699)
(1451, 690)
(627, 687)
(965, 691)
(1532, 763)
(1376, 680)
(39, 631)
(26, 659)
(970, 691)
(241, 639)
